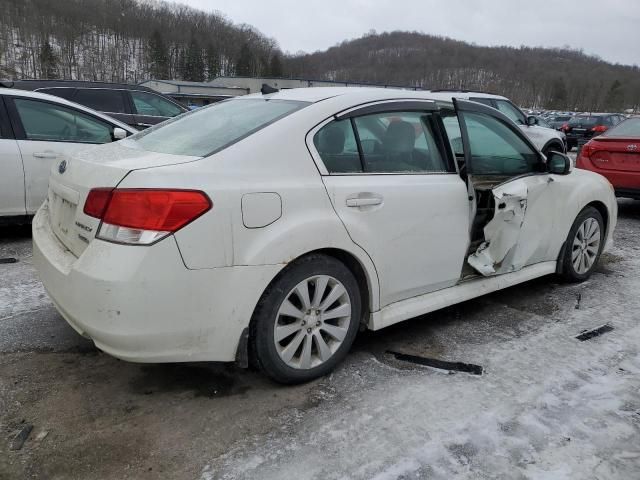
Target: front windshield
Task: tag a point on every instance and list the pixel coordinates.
(211, 129)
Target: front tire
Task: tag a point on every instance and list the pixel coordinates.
(306, 321)
(583, 246)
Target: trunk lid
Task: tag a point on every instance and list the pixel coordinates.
(71, 180)
(615, 153)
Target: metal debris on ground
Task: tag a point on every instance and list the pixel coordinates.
(21, 437)
(440, 364)
(588, 334)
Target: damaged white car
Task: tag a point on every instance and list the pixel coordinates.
(271, 228)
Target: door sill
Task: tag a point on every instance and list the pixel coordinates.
(463, 291)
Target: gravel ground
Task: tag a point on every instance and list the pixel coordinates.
(547, 406)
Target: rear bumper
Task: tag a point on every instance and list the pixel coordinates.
(142, 304)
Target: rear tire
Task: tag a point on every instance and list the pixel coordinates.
(306, 321)
(583, 246)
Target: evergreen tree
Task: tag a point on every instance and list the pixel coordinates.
(193, 64)
(157, 57)
(244, 64)
(213, 62)
(48, 62)
(275, 66)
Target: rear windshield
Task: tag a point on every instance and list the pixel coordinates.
(628, 128)
(213, 128)
(584, 121)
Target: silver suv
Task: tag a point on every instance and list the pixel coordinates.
(545, 139)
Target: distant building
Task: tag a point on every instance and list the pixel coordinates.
(203, 93)
(254, 84)
(194, 93)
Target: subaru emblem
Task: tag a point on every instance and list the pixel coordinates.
(62, 167)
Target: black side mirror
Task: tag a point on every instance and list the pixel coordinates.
(532, 120)
(558, 163)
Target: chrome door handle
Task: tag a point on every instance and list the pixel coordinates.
(364, 200)
(45, 155)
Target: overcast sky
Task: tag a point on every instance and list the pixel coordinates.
(608, 28)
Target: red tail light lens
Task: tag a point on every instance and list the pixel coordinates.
(565, 127)
(144, 216)
(97, 201)
(159, 210)
(599, 129)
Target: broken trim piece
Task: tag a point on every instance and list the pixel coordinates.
(440, 364)
(596, 332)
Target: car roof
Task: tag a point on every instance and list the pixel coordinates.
(52, 98)
(33, 84)
(345, 94)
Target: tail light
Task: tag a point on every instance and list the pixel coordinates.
(586, 149)
(599, 129)
(565, 127)
(143, 216)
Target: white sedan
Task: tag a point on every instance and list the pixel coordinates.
(36, 131)
(272, 228)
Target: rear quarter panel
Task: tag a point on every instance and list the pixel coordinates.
(275, 159)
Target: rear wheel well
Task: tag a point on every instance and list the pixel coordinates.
(244, 352)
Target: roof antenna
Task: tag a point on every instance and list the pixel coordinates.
(266, 89)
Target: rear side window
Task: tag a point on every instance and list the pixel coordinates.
(210, 129)
(511, 111)
(62, 92)
(484, 101)
(153, 105)
(336, 144)
(101, 99)
(402, 142)
(50, 122)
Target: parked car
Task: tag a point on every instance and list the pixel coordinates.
(38, 130)
(580, 128)
(545, 139)
(615, 154)
(135, 105)
(558, 121)
(323, 210)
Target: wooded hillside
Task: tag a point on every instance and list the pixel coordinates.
(127, 40)
(536, 77)
(132, 41)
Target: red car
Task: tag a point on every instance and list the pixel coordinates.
(616, 155)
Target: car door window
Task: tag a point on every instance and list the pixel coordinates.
(101, 99)
(50, 122)
(402, 142)
(154, 105)
(336, 144)
(495, 149)
(511, 111)
(399, 142)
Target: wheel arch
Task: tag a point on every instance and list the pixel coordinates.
(367, 287)
(551, 142)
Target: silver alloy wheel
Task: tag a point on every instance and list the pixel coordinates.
(312, 322)
(586, 245)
